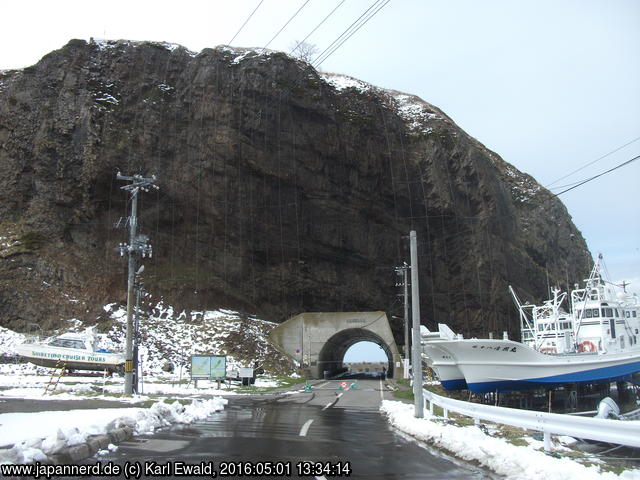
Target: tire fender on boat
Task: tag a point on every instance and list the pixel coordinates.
(587, 347)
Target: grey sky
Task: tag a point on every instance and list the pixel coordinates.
(548, 85)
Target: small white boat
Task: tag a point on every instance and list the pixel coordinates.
(73, 351)
(596, 342)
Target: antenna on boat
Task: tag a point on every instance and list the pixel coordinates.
(624, 285)
(137, 246)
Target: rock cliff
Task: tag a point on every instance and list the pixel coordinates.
(282, 190)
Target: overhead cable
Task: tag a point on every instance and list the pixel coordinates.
(599, 175)
(594, 161)
(317, 26)
(346, 31)
(285, 25)
(245, 22)
(350, 31)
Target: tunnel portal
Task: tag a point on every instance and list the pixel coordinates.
(319, 341)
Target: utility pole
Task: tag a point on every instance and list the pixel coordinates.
(403, 270)
(415, 313)
(140, 292)
(137, 246)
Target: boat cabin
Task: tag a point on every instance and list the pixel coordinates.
(605, 320)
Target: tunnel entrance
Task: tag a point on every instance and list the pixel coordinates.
(331, 356)
(318, 341)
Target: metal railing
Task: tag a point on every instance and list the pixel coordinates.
(599, 429)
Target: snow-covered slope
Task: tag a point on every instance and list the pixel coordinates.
(169, 338)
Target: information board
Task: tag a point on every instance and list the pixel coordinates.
(208, 366)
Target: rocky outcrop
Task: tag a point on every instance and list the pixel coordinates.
(282, 190)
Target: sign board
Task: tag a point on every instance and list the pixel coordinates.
(208, 366)
(246, 372)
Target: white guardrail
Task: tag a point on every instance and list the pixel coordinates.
(599, 429)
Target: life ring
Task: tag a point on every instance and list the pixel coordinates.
(548, 350)
(587, 347)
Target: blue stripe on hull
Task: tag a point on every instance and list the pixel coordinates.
(598, 375)
(457, 384)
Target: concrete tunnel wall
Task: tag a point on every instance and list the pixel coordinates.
(318, 341)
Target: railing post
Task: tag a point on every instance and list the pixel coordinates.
(547, 442)
(445, 413)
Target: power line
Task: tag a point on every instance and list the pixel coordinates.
(316, 28)
(245, 22)
(285, 25)
(350, 31)
(346, 31)
(594, 161)
(599, 175)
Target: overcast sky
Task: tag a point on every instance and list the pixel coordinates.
(550, 85)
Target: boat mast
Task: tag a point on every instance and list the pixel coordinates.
(589, 283)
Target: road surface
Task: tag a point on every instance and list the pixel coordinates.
(323, 433)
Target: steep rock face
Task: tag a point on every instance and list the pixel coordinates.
(281, 191)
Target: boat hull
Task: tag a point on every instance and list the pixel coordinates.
(441, 361)
(504, 365)
(72, 359)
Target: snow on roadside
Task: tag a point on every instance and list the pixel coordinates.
(41, 433)
(504, 458)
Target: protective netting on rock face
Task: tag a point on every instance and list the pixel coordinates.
(281, 191)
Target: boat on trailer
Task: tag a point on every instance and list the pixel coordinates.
(72, 351)
(595, 342)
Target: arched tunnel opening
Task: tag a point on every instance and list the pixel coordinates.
(331, 357)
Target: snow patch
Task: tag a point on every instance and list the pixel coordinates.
(341, 82)
(39, 434)
(472, 444)
(412, 109)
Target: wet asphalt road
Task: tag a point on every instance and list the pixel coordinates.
(325, 425)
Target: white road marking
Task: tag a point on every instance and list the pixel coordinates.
(322, 384)
(331, 403)
(381, 396)
(322, 478)
(305, 428)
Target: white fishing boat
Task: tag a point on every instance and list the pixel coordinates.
(596, 342)
(441, 361)
(72, 351)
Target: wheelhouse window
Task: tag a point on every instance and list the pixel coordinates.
(608, 312)
(61, 342)
(595, 312)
